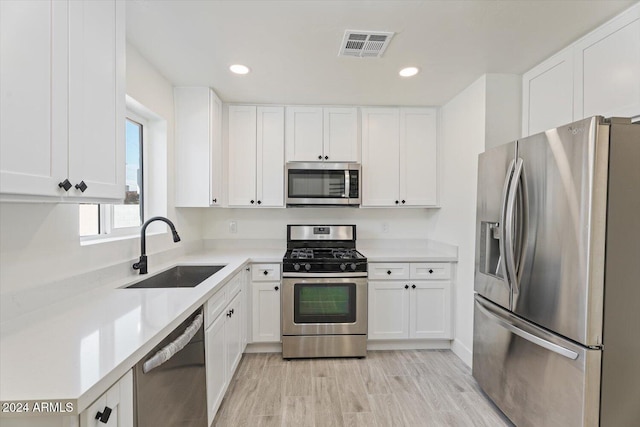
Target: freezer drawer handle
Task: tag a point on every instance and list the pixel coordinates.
(174, 347)
(530, 337)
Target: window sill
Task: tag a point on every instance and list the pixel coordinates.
(94, 240)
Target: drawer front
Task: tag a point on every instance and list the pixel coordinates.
(388, 271)
(234, 286)
(431, 270)
(265, 272)
(215, 306)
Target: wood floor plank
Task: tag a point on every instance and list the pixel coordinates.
(251, 366)
(386, 410)
(298, 411)
(353, 395)
(359, 419)
(270, 390)
(298, 380)
(375, 381)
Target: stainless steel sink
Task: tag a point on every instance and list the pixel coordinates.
(181, 276)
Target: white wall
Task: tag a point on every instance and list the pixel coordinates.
(39, 242)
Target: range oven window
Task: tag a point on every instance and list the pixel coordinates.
(306, 184)
(324, 303)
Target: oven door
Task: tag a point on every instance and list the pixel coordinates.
(324, 306)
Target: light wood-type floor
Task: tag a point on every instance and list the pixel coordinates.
(387, 388)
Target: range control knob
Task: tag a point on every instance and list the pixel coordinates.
(353, 266)
(343, 266)
(307, 266)
(296, 267)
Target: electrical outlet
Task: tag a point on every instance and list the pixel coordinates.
(385, 227)
(233, 227)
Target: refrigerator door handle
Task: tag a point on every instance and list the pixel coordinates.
(527, 335)
(503, 215)
(508, 225)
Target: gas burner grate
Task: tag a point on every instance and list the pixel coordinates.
(302, 253)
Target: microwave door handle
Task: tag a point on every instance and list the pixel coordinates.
(347, 184)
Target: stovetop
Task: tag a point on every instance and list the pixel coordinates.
(325, 254)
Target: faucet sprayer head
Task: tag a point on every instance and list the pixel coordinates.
(176, 238)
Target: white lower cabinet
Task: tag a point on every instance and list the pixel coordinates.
(114, 408)
(224, 342)
(417, 307)
(265, 287)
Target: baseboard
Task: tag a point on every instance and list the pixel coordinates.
(408, 345)
(464, 353)
(263, 347)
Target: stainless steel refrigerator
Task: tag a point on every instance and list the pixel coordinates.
(557, 306)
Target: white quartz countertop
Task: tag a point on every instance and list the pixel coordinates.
(73, 352)
(76, 351)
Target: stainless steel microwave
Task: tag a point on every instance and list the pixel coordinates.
(322, 183)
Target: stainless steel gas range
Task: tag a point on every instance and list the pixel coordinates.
(324, 293)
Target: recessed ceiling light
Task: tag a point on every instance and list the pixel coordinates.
(239, 69)
(409, 71)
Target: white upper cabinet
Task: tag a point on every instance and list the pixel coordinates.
(399, 157)
(316, 134)
(548, 94)
(256, 156)
(63, 104)
(597, 75)
(198, 150)
(608, 83)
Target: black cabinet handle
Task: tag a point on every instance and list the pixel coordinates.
(265, 272)
(413, 286)
(430, 271)
(229, 313)
(403, 202)
(259, 202)
(406, 286)
(103, 416)
(276, 288)
(233, 310)
(326, 157)
(65, 184)
(253, 201)
(319, 157)
(215, 200)
(247, 269)
(82, 186)
(389, 272)
(397, 202)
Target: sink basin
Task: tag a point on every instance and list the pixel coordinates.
(181, 276)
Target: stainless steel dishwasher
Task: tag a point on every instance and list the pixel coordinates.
(170, 383)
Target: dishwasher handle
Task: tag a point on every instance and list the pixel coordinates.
(167, 352)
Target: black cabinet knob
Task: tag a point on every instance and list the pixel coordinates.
(430, 271)
(413, 286)
(253, 201)
(259, 202)
(82, 186)
(65, 184)
(215, 200)
(265, 272)
(229, 313)
(403, 202)
(319, 157)
(276, 288)
(326, 157)
(397, 202)
(406, 286)
(389, 272)
(103, 416)
(233, 310)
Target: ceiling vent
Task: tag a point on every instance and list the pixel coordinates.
(364, 44)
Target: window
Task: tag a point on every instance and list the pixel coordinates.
(101, 219)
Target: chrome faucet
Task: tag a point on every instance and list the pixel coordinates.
(142, 264)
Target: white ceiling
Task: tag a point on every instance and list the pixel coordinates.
(292, 46)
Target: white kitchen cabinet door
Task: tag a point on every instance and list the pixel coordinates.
(547, 94)
(304, 134)
(388, 310)
(418, 157)
(607, 77)
(198, 147)
(215, 350)
(119, 399)
(270, 157)
(33, 97)
(97, 99)
(380, 156)
(341, 142)
(233, 334)
(430, 310)
(266, 311)
(242, 155)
